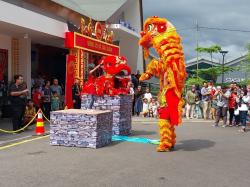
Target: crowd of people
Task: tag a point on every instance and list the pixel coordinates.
(50, 97)
(47, 96)
(144, 103)
(44, 95)
(229, 103)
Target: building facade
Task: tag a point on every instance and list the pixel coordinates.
(32, 35)
(238, 75)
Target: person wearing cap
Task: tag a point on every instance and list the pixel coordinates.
(222, 96)
(190, 102)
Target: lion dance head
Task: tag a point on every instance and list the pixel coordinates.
(155, 30)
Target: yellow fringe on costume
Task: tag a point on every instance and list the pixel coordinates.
(161, 35)
(167, 135)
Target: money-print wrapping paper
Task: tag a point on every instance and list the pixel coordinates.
(81, 128)
(120, 105)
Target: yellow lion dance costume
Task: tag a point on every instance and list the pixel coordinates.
(160, 34)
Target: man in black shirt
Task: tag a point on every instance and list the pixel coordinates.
(18, 92)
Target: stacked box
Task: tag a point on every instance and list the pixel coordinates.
(120, 105)
(81, 128)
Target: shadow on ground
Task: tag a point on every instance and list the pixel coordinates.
(194, 145)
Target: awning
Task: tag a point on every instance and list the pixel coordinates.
(119, 29)
(99, 10)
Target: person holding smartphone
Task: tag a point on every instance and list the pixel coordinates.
(222, 96)
(18, 98)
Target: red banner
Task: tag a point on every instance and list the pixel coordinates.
(69, 80)
(3, 62)
(79, 41)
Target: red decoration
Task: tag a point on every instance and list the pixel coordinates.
(98, 30)
(79, 41)
(69, 80)
(114, 68)
(3, 62)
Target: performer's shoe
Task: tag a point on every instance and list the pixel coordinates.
(163, 148)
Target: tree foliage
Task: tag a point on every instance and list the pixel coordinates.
(245, 65)
(210, 50)
(194, 81)
(213, 73)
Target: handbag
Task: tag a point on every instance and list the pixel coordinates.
(236, 112)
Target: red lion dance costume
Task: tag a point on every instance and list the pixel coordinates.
(160, 34)
(114, 67)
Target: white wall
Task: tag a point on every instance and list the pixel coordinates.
(5, 43)
(31, 21)
(129, 49)
(132, 15)
(130, 11)
(24, 57)
(15, 15)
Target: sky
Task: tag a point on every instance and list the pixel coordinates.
(223, 14)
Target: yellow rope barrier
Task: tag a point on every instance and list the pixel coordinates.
(45, 117)
(11, 132)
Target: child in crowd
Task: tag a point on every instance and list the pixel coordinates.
(148, 95)
(55, 101)
(37, 98)
(153, 106)
(30, 112)
(145, 107)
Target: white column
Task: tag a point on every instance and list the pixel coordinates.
(25, 60)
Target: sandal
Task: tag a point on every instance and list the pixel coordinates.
(242, 130)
